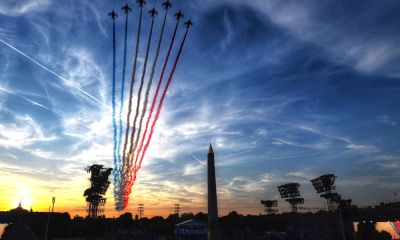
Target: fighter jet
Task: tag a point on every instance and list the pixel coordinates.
(166, 5)
(141, 2)
(178, 15)
(188, 23)
(152, 12)
(126, 8)
(113, 14)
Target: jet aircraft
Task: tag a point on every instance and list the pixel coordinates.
(188, 23)
(126, 8)
(166, 5)
(178, 15)
(153, 11)
(141, 2)
(113, 14)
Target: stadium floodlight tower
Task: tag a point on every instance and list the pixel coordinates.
(269, 204)
(140, 210)
(99, 185)
(326, 184)
(341, 203)
(291, 191)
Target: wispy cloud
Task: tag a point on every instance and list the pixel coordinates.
(386, 119)
(20, 8)
(84, 92)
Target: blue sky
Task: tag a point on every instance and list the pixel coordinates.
(284, 91)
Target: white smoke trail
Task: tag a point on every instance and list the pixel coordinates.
(53, 73)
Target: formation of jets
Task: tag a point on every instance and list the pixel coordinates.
(153, 12)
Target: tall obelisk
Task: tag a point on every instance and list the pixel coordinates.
(213, 225)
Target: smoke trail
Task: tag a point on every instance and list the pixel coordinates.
(125, 168)
(115, 172)
(53, 73)
(156, 94)
(131, 151)
(128, 189)
(148, 89)
(130, 101)
(122, 100)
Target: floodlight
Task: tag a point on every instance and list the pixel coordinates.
(99, 185)
(269, 204)
(324, 183)
(291, 191)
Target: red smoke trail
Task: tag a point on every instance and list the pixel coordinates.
(153, 104)
(135, 169)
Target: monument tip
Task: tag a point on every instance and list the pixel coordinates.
(210, 150)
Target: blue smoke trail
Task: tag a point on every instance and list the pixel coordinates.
(115, 172)
(122, 102)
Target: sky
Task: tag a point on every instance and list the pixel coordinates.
(382, 226)
(285, 91)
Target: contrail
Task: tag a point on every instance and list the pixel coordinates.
(130, 95)
(53, 73)
(122, 91)
(132, 150)
(134, 171)
(156, 94)
(40, 105)
(122, 101)
(115, 172)
(148, 90)
(125, 169)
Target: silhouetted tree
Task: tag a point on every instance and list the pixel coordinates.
(186, 216)
(366, 231)
(383, 235)
(124, 221)
(201, 216)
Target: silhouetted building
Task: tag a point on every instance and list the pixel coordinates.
(213, 225)
(191, 227)
(19, 209)
(21, 215)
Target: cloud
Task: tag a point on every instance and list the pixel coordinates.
(191, 169)
(363, 147)
(22, 7)
(385, 119)
(390, 165)
(20, 169)
(316, 145)
(21, 134)
(10, 155)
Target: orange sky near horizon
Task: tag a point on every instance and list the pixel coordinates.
(69, 198)
(383, 226)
